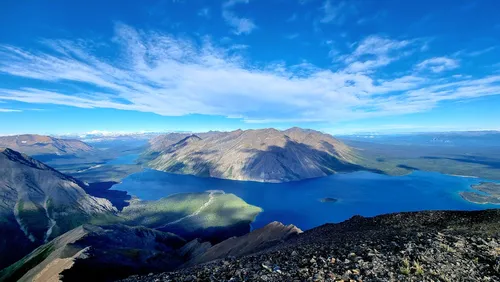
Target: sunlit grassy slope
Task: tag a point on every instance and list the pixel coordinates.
(211, 215)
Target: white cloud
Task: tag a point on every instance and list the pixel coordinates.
(292, 18)
(475, 53)
(292, 36)
(9, 110)
(165, 75)
(337, 12)
(331, 12)
(240, 25)
(374, 52)
(438, 64)
(205, 12)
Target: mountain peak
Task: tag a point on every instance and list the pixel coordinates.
(187, 140)
(259, 239)
(266, 155)
(21, 158)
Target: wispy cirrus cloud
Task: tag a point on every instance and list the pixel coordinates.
(331, 11)
(292, 36)
(240, 25)
(9, 110)
(336, 12)
(475, 53)
(374, 52)
(292, 18)
(205, 12)
(438, 64)
(162, 74)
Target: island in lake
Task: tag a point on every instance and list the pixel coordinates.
(328, 200)
(490, 193)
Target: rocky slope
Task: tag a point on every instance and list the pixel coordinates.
(32, 144)
(93, 253)
(272, 234)
(266, 155)
(38, 203)
(418, 246)
(106, 253)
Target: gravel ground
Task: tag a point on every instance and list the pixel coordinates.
(422, 246)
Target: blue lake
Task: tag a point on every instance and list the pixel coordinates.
(125, 159)
(298, 203)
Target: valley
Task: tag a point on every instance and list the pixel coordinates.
(197, 191)
(245, 140)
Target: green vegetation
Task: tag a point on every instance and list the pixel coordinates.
(199, 210)
(490, 193)
(395, 159)
(419, 270)
(405, 268)
(226, 210)
(33, 217)
(194, 167)
(18, 269)
(67, 219)
(446, 248)
(156, 213)
(104, 173)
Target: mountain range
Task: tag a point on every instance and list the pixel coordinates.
(32, 144)
(54, 226)
(265, 155)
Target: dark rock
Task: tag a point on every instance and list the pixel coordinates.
(450, 246)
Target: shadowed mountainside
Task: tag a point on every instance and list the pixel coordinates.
(38, 203)
(107, 253)
(137, 240)
(265, 155)
(94, 253)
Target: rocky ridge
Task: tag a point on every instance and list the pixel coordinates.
(110, 252)
(98, 253)
(417, 246)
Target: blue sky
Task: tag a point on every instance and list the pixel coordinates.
(336, 66)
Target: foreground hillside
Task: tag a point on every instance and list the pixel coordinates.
(418, 246)
(101, 253)
(266, 155)
(39, 203)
